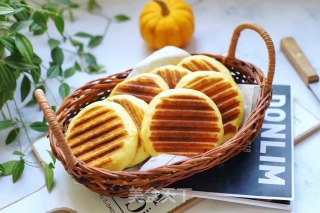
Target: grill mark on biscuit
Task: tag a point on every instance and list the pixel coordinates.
(143, 89)
(97, 135)
(228, 104)
(181, 147)
(146, 98)
(96, 145)
(177, 128)
(210, 66)
(181, 123)
(168, 78)
(158, 135)
(230, 115)
(202, 83)
(229, 128)
(104, 154)
(184, 124)
(102, 163)
(91, 116)
(216, 90)
(187, 114)
(96, 125)
(228, 94)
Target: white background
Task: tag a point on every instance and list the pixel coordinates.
(123, 47)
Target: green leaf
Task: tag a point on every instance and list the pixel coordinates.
(95, 41)
(25, 88)
(59, 22)
(6, 9)
(8, 43)
(53, 43)
(5, 96)
(7, 77)
(35, 73)
(1, 49)
(77, 66)
(69, 72)
(18, 153)
(78, 44)
(12, 135)
(6, 124)
(8, 166)
(54, 108)
(52, 157)
(36, 59)
(40, 19)
(39, 126)
(83, 35)
(64, 90)
(2, 170)
(121, 18)
(17, 170)
(37, 29)
(91, 5)
(19, 63)
(90, 59)
(57, 56)
(22, 13)
(53, 71)
(48, 176)
(24, 46)
(69, 3)
(18, 26)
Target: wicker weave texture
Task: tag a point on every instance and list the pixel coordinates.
(120, 183)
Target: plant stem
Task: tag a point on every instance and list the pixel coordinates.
(70, 51)
(3, 115)
(49, 90)
(10, 115)
(20, 117)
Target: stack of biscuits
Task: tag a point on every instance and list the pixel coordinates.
(184, 109)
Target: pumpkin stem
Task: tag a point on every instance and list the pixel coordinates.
(164, 8)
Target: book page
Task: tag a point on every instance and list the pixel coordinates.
(303, 118)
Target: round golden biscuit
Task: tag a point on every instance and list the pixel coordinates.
(144, 86)
(224, 93)
(203, 63)
(103, 135)
(136, 108)
(171, 74)
(181, 122)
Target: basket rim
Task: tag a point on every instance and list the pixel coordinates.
(179, 163)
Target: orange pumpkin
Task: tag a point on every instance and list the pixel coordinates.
(166, 22)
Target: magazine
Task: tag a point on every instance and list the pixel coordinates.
(275, 184)
(263, 171)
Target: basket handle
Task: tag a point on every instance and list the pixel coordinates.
(265, 36)
(55, 127)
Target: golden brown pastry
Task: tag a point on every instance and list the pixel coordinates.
(203, 63)
(171, 74)
(144, 86)
(103, 135)
(136, 108)
(181, 122)
(224, 92)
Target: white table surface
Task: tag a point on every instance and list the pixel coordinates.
(214, 20)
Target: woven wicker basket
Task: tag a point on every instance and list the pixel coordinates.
(119, 183)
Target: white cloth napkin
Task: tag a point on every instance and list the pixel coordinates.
(166, 56)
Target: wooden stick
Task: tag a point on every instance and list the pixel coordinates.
(306, 134)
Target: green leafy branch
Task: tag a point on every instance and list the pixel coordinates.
(19, 63)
